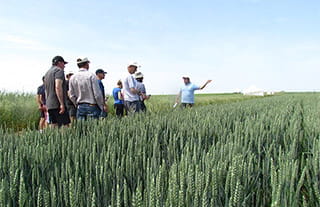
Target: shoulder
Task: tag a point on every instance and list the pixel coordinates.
(195, 86)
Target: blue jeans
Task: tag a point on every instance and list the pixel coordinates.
(86, 111)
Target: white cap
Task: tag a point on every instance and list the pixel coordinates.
(138, 75)
(134, 64)
(82, 60)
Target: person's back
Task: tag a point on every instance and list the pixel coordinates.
(81, 82)
(115, 94)
(85, 92)
(52, 101)
(118, 100)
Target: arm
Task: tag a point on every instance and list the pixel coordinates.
(143, 92)
(71, 92)
(134, 91)
(120, 96)
(39, 102)
(59, 92)
(202, 87)
(132, 85)
(178, 97)
(97, 92)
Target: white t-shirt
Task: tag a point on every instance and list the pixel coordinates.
(130, 82)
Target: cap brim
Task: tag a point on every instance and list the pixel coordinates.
(65, 62)
(137, 66)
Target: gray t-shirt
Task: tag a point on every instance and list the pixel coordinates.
(140, 87)
(52, 74)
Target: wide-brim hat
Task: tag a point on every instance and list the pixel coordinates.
(138, 75)
(83, 60)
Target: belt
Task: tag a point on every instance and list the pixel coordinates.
(88, 104)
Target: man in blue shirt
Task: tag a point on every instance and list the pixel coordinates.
(187, 92)
(100, 76)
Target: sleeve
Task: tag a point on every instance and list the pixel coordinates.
(39, 91)
(97, 92)
(195, 87)
(131, 82)
(143, 89)
(59, 75)
(72, 94)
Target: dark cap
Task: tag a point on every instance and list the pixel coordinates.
(100, 71)
(58, 59)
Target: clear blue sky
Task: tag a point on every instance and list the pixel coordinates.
(272, 44)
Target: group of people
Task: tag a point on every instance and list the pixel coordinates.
(65, 97)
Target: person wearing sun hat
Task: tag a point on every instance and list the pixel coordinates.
(56, 93)
(186, 93)
(143, 93)
(85, 92)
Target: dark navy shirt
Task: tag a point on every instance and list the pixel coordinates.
(102, 89)
(41, 91)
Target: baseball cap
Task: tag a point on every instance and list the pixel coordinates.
(185, 77)
(83, 60)
(134, 64)
(58, 59)
(100, 71)
(138, 75)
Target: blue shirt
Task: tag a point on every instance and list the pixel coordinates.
(116, 97)
(187, 93)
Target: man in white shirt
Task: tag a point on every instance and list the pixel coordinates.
(131, 94)
(85, 92)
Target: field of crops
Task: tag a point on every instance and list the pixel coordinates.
(259, 152)
(20, 111)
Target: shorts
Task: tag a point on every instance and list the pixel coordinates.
(72, 110)
(185, 105)
(143, 106)
(119, 109)
(42, 114)
(59, 119)
(132, 106)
